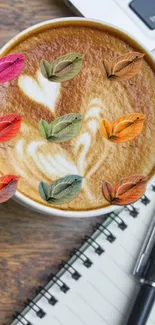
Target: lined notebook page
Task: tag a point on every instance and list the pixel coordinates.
(105, 292)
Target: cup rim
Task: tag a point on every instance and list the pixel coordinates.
(24, 200)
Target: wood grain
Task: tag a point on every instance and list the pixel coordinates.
(17, 15)
(31, 245)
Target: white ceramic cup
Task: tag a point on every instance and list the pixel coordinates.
(20, 198)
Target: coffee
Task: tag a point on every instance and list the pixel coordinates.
(89, 93)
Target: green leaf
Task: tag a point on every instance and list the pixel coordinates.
(62, 190)
(64, 128)
(45, 68)
(44, 191)
(43, 127)
(63, 68)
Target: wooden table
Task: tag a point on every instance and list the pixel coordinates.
(31, 245)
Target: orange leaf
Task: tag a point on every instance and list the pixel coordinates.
(8, 186)
(131, 195)
(106, 129)
(108, 191)
(124, 67)
(129, 182)
(128, 127)
(108, 67)
(127, 191)
(124, 128)
(9, 126)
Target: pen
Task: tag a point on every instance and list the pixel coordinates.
(145, 269)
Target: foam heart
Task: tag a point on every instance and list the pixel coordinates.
(40, 90)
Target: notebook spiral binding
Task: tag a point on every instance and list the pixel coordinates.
(79, 254)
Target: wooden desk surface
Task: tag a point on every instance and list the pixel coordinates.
(31, 245)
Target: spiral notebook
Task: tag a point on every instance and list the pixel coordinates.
(96, 286)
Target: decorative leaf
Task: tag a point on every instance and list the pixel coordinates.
(108, 67)
(106, 129)
(108, 191)
(63, 68)
(125, 184)
(45, 68)
(127, 191)
(61, 191)
(9, 126)
(124, 128)
(64, 128)
(11, 66)
(44, 190)
(8, 186)
(43, 126)
(124, 67)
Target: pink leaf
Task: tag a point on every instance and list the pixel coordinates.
(11, 66)
(8, 186)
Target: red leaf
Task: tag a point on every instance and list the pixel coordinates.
(9, 126)
(6, 179)
(11, 66)
(8, 186)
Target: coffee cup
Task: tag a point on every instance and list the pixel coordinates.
(29, 87)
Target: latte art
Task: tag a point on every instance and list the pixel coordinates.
(90, 94)
(53, 161)
(40, 90)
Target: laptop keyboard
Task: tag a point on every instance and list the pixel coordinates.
(137, 17)
(145, 9)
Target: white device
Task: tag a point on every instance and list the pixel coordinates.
(137, 17)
